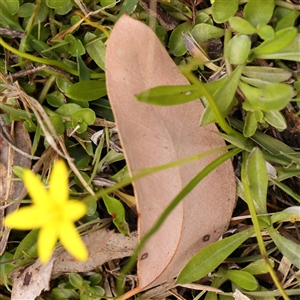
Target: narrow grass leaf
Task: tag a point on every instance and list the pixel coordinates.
(287, 247)
(210, 257)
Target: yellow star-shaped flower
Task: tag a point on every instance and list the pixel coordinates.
(52, 212)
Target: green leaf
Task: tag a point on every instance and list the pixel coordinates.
(222, 10)
(241, 25)
(268, 74)
(169, 95)
(28, 245)
(266, 32)
(12, 5)
(176, 43)
(290, 52)
(87, 90)
(258, 12)
(274, 96)
(76, 280)
(238, 49)
(86, 114)
(224, 96)
(288, 20)
(204, 262)
(243, 279)
(128, 7)
(56, 3)
(96, 49)
(258, 267)
(7, 20)
(282, 39)
(202, 32)
(116, 210)
(252, 118)
(287, 247)
(68, 109)
(55, 99)
(76, 48)
(83, 70)
(276, 119)
(258, 180)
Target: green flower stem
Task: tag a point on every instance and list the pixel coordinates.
(170, 208)
(46, 88)
(261, 245)
(45, 61)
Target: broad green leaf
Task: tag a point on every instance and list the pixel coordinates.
(282, 39)
(276, 119)
(258, 180)
(258, 12)
(258, 267)
(58, 124)
(95, 48)
(290, 52)
(176, 43)
(55, 99)
(87, 90)
(243, 279)
(224, 96)
(7, 20)
(222, 10)
(238, 49)
(204, 262)
(128, 7)
(116, 210)
(267, 73)
(170, 95)
(202, 32)
(272, 97)
(287, 247)
(12, 5)
(76, 48)
(56, 3)
(241, 25)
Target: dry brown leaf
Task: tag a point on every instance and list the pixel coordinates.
(12, 190)
(154, 135)
(103, 246)
(30, 281)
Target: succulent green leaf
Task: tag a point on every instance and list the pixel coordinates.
(258, 180)
(83, 71)
(251, 123)
(56, 3)
(68, 109)
(238, 49)
(276, 119)
(241, 25)
(258, 12)
(266, 32)
(204, 262)
(87, 90)
(28, 245)
(176, 43)
(222, 10)
(202, 32)
(116, 210)
(55, 99)
(288, 20)
(86, 114)
(76, 280)
(170, 95)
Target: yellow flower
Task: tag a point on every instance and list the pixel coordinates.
(52, 212)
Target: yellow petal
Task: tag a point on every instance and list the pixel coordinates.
(59, 182)
(46, 241)
(72, 241)
(26, 218)
(35, 188)
(74, 210)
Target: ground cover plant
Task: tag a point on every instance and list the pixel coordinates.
(86, 84)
